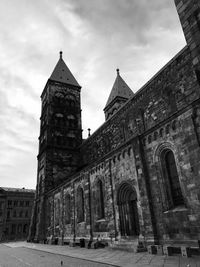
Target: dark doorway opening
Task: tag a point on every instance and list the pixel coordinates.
(128, 212)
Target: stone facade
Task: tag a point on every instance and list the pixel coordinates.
(138, 175)
(15, 213)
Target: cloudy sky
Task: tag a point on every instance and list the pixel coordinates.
(96, 37)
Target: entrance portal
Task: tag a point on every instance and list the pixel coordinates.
(128, 213)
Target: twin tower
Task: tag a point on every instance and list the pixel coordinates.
(60, 140)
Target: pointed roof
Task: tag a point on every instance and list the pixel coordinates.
(119, 89)
(61, 73)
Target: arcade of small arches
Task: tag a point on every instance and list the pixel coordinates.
(169, 128)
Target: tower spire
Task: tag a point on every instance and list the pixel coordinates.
(61, 73)
(119, 94)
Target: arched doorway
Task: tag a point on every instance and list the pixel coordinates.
(128, 213)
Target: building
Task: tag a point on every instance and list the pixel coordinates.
(138, 175)
(15, 213)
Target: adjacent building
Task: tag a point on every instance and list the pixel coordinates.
(138, 175)
(15, 213)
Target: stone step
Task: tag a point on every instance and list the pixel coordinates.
(124, 245)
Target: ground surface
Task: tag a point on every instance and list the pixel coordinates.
(22, 254)
(24, 257)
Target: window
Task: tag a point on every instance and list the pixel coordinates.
(6, 231)
(25, 229)
(26, 214)
(59, 140)
(13, 229)
(149, 139)
(72, 103)
(15, 203)
(1, 205)
(9, 203)
(71, 141)
(27, 203)
(21, 203)
(8, 214)
(100, 200)
(172, 185)
(49, 212)
(80, 205)
(21, 214)
(155, 136)
(14, 213)
(161, 132)
(174, 125)
(57, 211)
(67, 208)
(72, 121)
(19, 228)
(167, 129)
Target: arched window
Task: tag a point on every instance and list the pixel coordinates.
(21, 214)
(25, 229)
(149, 139)
(161, 132)
(72, 121)
(13, 230)
(167, 129)
(100, 200)
(57, 211)
(155, 136)
(80, 205)
(19, 228)
(58, 119)
(48, 212)
(72, 103)
(172, 184)
(67, 209)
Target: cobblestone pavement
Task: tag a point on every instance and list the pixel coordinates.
(114, 257)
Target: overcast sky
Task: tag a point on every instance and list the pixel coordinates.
(96, 37)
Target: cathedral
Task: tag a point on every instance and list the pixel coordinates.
(137, 177)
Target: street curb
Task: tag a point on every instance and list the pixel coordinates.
(111, 264)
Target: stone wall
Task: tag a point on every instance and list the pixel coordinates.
(179, 136)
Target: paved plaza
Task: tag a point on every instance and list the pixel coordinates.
(106, 256)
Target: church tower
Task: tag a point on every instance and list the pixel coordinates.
(119, 94)
(60, 129)
(59, 140)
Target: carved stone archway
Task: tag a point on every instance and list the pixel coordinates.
(128, 212)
